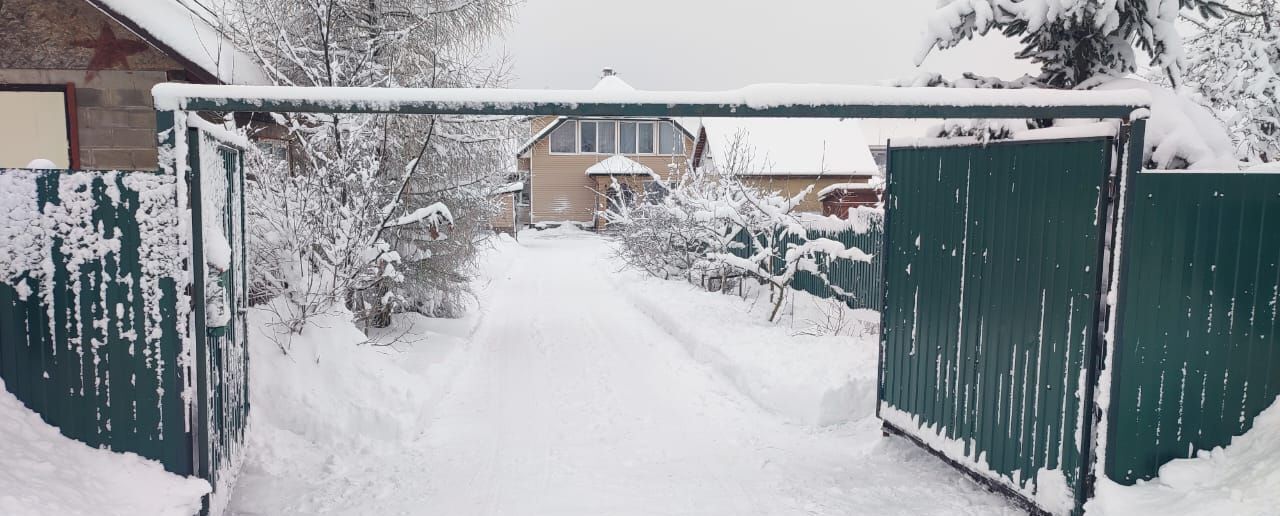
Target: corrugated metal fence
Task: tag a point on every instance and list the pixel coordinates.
(91, 331)
(992, 274)
(96, 305)
(859, 284)
(1196, 357)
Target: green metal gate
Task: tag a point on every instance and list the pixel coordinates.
(992, 271)
(1196, 357)
(217, 182)
(92, 312)
(102, 331)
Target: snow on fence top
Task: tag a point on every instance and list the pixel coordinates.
(771, 100)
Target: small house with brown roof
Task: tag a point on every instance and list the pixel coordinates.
(787, 155)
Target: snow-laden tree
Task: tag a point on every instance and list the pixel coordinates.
(380, 212)
(1090, 44)
(1073, 41)
(1234, 64)
(691, 229)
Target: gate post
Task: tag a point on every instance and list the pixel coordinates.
(1130, 144)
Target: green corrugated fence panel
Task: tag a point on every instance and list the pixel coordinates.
(98, 383)
(226, 357)
(991, 277)
(860, 282)
(1196, 356)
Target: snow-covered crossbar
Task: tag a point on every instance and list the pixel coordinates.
(763, 100)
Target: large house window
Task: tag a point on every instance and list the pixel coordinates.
(644, 138)
(669, 141)
(617, 137)
(606, 134)
(587, 137)
(627, 137)
(565, 138)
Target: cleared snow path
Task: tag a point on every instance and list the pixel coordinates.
(570, 401)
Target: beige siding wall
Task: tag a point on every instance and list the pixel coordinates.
(560, 187)
(791, 186)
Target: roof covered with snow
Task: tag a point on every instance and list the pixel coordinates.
(789, 146)
(611, 82)
(618, 166)
(188, 34)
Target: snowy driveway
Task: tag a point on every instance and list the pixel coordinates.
(570, 402)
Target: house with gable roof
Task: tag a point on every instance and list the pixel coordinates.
(571, 163)
(76, 76)
(572, 168)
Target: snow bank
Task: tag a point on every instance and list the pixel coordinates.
(1242, 479)
(337, 393)
(45, 473)
(785, 368)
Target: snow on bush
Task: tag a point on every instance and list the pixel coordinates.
(43, 472)
(688, 228)
(1242, 479)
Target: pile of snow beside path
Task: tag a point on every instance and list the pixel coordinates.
(338, 393)
(1242, 479)
(809, 379)
(43, 472)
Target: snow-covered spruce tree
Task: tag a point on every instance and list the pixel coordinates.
(1073, 41)
(1234, 64)
(1089, 44)
(691, 230)
(380, 212)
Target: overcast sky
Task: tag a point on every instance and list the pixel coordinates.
(720, 44)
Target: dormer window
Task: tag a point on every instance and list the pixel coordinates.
(617, 137)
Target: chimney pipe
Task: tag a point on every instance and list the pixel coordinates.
(609, 72)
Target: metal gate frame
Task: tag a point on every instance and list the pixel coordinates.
(174, 103)
(1108, 203)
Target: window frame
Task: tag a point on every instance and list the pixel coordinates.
(70, 116)
(569, 125)
(655, 139)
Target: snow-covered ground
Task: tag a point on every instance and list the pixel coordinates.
(1242, 479)
(44, 473)
(572, 391)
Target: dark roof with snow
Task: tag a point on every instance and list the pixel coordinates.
(188, 33)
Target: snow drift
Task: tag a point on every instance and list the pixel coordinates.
(44, 472)
(1242, 479)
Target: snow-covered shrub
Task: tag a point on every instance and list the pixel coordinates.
(382, 213)
(691, 231)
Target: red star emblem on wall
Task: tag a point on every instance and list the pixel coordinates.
(109, 51)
